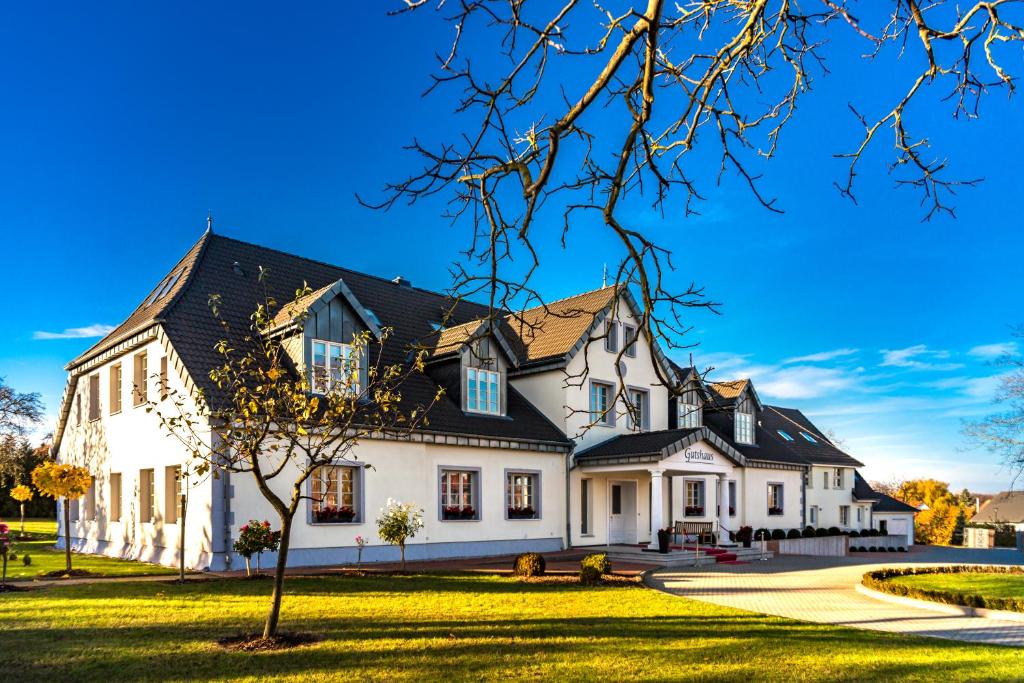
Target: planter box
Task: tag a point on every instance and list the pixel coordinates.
(825, 546)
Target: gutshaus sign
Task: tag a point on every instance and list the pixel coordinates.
(698, 455)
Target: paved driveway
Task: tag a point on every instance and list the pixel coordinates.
(822, 590)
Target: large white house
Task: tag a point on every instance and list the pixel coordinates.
(528, 449)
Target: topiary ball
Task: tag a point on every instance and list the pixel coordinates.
(529, 564)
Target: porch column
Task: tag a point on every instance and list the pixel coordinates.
(723, 510)
(657, 507)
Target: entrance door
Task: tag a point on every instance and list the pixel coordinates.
(622, 512)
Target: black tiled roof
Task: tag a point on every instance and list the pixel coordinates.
(889, 504)
(862, 489)
(792, 421)
(640, 443)
(193, 330)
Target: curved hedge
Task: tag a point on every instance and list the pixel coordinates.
(879, 580)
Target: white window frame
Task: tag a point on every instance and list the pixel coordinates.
(607, 417)
(744, 429)
(689, 413)
(332, 378)
(781, 499)
(844, 515)
(458, 487)
(344, 489)
(837, 478)
(518, 497)
(611, 336)
(488, 401)
(643, 409)
(695, 496)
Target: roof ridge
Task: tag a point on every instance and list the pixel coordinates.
(381, 278)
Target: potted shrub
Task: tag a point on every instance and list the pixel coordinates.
(521, 513)
(745, 535)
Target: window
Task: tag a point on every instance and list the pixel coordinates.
(837, 478)
(689, 410)
(482, 391)
(585, 506)
(333, 489)
(73, 506)
(616, 499)
(459, 489)
(775, 499)
(94, 397)
(629, 339)
(611, 336)
(115, 496)
(824, 479)
(808, 437)
(732, 499)
(140, 380)
(164, 389)
(147, 496)
(89, 501)
(694, 498)
(860, 515)
(844, 515)
(813, 515)
(600, 404)
(638, 414)
(883, 527)
(115, 388)
(522, 495)
(334, 367)
(78, 409)
(172, 494)
(785, 435)
(744, 428)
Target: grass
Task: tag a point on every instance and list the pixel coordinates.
(450, 627)
(985, 585)
(46, 558)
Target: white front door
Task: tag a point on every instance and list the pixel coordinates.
(622, 512)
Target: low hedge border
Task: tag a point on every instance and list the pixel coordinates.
(879, 580)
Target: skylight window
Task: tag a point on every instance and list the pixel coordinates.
(785, 435)
(163, 288)
(808, 437)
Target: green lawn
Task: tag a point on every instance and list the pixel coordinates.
(450, 627)
(988, 585)
(46, 558)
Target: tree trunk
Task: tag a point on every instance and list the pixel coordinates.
(401, 548)
(248, 569)
(23, 519)
(270, 629)
(181, 541)
(67, 534)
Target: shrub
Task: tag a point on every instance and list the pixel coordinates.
(793, 533)
(762, 535)
(820, 532)
(879, 580)
(745, 533)
(854, 533)
(833, 531)
(778, 534)
(253, 539)
(399, 522)
(854, 549)
(593, 566)
(26, 559)
(872, 549)
(901, 549)
(808, 532)
(529, 564)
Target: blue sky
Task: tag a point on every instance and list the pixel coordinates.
(123, 125)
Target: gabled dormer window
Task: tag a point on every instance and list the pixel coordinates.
(335, 367)
(689, 409)
(744, 420)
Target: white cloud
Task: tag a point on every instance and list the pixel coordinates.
(804, 381)
(993, 351)
(821, 356)
(95, 330)
(917, 357)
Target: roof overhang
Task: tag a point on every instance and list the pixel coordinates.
(653, 457)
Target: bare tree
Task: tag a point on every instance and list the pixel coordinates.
(18, 411)
(671, 97)
(269, 422)
(1003, 433)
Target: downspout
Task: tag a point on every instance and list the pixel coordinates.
(568, 505)
(803, 497)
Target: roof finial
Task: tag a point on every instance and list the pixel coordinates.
(604, 276)
(209, 221)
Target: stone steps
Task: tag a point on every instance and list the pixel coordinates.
(686, 557)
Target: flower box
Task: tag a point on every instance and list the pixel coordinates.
(732, 512)
(456, 512)
(775, 512)
(694, 511)
(522, 513)
(334, 515)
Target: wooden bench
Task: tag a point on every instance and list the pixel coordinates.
(704, 531)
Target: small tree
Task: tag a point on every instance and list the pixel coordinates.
(256, 537)
(22, 494)
(399, 522)
(269, 422)
(66, 481)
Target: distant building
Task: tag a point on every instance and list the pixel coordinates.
(1003, 508)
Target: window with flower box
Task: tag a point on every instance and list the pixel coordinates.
(334, 491)
(460, 494)
(775, 499)
(522, 495)
(694, 498)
